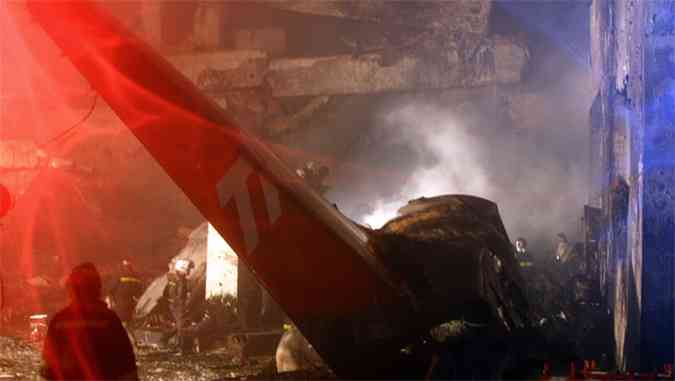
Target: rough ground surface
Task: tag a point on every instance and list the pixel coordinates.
(20, 360)
(213, 365)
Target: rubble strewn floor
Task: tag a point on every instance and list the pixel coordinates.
(20, 360)
(577, 336)
(217, 364)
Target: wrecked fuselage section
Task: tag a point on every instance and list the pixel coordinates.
(453, 254)
(466, 293)
(480, 314)
(454, 261)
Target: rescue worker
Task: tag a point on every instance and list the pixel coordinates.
(178, 295)
(86, 340)
(569, 276)
(541, 286)
(124, 294)
(522, 254)
(563, 250)
(567, 259)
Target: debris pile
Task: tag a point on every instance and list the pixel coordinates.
(21, 361)
(18, 360)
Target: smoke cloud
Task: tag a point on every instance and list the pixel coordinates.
(456, 167)
(535, 169)
(525, 148)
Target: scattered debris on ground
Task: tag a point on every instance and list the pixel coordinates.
(20, 360)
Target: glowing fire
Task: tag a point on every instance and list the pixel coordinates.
(384, 211)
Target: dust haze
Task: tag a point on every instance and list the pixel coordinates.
(530, 158)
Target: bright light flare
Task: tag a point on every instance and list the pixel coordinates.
(384, 211)
(35, 97)
(41, 97)
(455, 172)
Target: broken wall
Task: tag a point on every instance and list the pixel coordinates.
(633, 65)
(330, 95)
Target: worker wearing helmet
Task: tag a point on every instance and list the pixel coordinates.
(563, 249)
(522, 254)
(124, 294)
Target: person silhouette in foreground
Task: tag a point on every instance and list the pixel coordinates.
(86, 340)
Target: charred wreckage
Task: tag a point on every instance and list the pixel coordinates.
(437, 292)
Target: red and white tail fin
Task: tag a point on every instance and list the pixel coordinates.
(314, 261)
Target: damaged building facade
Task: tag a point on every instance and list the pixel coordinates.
(633, 121)
(270, 77)
(260, 63)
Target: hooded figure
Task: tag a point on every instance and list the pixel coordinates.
(86, 340)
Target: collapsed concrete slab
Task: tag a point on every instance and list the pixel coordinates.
(214, 71)
(496, 61)
(459, 15)
(271, 40)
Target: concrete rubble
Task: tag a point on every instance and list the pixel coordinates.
(490, 62)
(456, 15)
(20, 359)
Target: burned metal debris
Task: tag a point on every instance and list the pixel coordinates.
(455, 249)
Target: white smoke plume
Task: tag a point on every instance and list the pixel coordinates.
(454, 149)
(537, 175)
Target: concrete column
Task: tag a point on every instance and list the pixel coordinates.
(223, 71)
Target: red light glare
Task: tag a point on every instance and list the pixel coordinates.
(5, 200)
